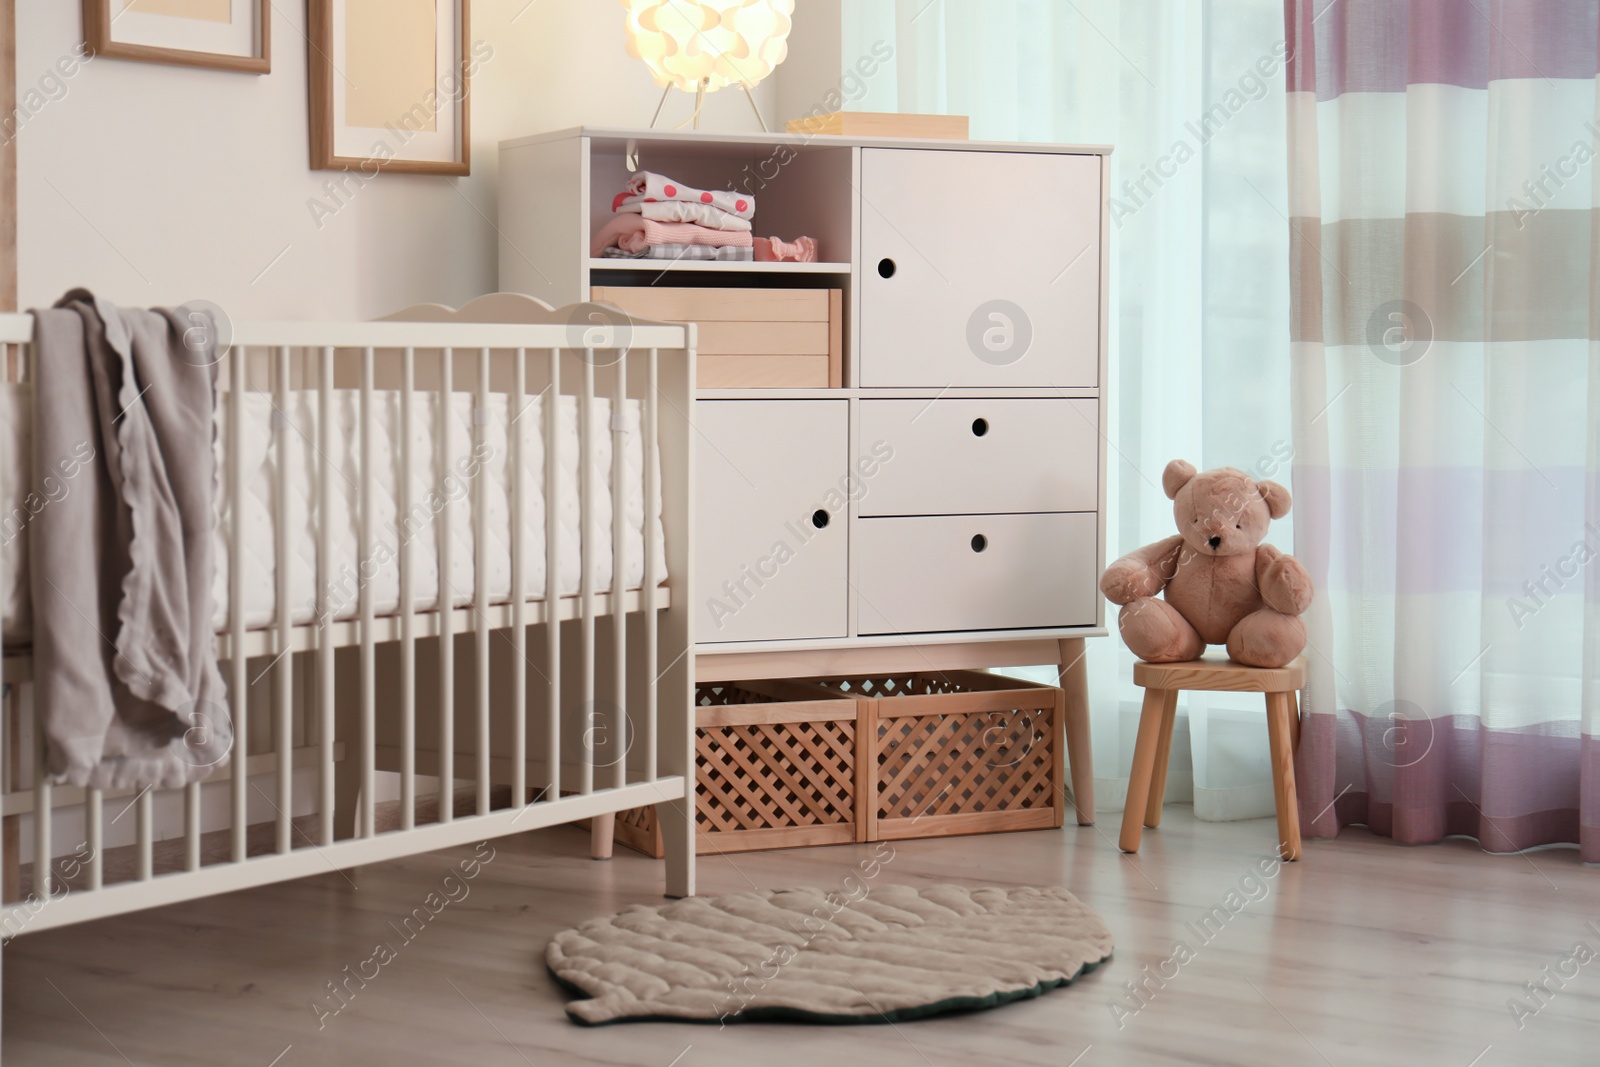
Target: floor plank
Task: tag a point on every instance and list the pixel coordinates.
(1364, 952)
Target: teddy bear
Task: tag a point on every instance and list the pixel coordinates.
(1221, 584)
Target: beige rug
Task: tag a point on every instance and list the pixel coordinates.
(890, 954)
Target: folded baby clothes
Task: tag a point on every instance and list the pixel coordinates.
(633, 233)
(693, 253)
(684, 211)
(647, 187)
(777, 250)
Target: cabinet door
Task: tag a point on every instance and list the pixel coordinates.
(979, 268)
(770, 519)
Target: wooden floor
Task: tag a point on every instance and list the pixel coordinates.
(1364, 953)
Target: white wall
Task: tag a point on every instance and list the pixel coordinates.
(156, 184)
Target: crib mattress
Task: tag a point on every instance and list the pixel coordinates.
(437, 489)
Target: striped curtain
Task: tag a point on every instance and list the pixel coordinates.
(1445, 321)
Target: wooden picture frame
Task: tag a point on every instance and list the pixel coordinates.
(404, 122)
(136, 39)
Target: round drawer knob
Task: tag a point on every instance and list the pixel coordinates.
(980, 427)
(979, 542)
(819, 518)
(886, 268)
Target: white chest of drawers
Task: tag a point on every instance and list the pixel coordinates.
(944, 507)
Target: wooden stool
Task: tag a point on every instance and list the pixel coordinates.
(1147, 783)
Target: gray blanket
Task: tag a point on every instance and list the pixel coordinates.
(126, 685)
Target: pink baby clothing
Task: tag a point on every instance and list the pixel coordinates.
(647, 186)
(684, 211)
(777, 250)
(633, 233)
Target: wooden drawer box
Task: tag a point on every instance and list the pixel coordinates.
(775, 767)
(957, 752)
(749, 338)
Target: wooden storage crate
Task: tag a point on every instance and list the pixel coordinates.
(763, 338)
(775, 767)
(957, 752)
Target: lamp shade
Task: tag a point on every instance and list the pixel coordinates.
(688, 44)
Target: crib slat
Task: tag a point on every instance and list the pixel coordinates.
(444, 415)
(650, 429)
(552, 576)
(408, 637)
(326, 609)
(191, 826)
(283, 738)
(617, 731)
(238, 689)
(94, 833)
(519, 593)
(587, 547)
(369, 673)
(480, 578)
(146, 804)
(42, 854)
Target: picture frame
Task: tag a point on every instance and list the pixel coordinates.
(234, 35)
(390, 85)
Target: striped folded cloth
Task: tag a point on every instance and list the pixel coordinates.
(633, 233)
(690, 253)
(648, 187)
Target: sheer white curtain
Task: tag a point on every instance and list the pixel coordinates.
(1191, 93)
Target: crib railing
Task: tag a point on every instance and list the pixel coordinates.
(555, 709)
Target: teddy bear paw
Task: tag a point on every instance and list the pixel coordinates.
(1155, 632)
(1267, 638)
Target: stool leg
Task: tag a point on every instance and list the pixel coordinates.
(1144, 759)
(1294, 722)
(1280, 709)
(1073, 677)
(1158, 773)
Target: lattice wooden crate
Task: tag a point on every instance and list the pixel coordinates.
(775, 767)
(958, 752)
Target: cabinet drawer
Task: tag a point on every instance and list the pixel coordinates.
(968, 457)
(979, 269)
(933, 573)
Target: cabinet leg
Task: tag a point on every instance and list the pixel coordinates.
(1158, 773)
(11, 830)
(1073, 677)
(602, 833)
(1144, 760)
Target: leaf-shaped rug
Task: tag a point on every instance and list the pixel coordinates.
(883, 954)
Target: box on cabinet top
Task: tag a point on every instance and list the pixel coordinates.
(740, 142)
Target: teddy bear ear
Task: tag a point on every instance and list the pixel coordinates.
(1277, 498)
(1176, 476)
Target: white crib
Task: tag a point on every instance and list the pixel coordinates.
(556, 708)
